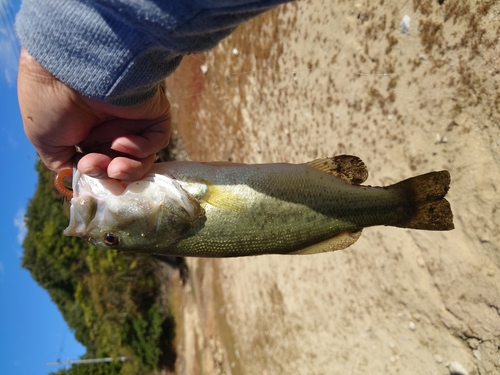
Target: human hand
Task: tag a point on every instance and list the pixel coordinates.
(117, 142)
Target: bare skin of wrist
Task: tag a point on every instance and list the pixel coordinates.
(118, 142)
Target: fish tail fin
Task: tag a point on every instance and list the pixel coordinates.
(425, 193)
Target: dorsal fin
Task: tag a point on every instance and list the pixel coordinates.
(347, 167)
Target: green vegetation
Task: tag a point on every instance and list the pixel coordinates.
(110, 299)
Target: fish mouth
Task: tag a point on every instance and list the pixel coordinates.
(83, 207)
(76, 225)
(89, 197)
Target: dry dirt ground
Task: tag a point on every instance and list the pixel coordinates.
(318, 78)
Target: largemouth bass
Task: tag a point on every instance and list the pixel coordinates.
(228, 210)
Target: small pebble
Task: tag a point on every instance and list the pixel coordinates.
(456, 368)
(204, 68)
(404, 26)
(235, 51)
(438, 358)
(441, 138)
(411, 326)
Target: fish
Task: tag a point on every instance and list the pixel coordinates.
(222, 209)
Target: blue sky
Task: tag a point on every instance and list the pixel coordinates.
(32, 330)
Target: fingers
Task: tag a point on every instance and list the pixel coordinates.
(125, 146)
(119, 167)
(60, 160)
(140, 146)
(133, 137)
(130, 169)
(95, 165)
(123, 149)
(56, 158)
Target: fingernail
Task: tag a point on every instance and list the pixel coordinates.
(118, 146)
(96, 172)
(113, 145)
(121, 175)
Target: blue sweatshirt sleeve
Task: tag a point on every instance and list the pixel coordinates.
(118, 51)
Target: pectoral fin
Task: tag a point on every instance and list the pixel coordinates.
(224, 199)
(339, 242)
(347, 167)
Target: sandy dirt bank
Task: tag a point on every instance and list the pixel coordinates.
(318, 78)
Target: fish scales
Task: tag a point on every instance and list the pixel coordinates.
(227, 209)
(288, 208)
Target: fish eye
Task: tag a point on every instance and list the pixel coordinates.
(110, 239)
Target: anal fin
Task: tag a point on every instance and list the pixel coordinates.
(339, 242)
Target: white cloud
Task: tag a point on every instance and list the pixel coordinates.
(9, 45)
(10, 74)
(20, 224)
(10, 138)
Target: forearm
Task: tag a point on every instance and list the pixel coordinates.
(118, 54)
